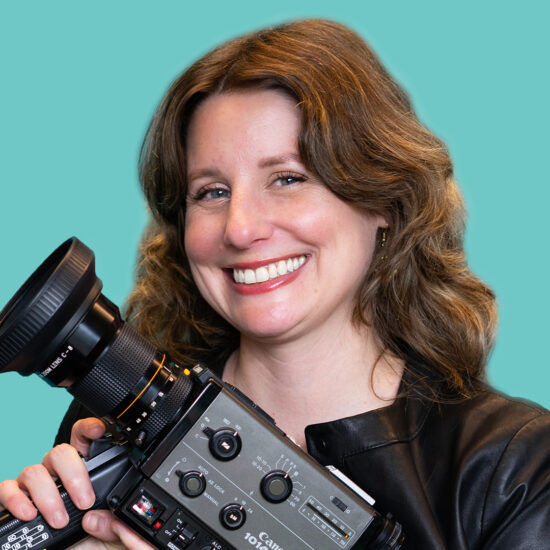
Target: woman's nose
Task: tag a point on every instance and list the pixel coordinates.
(247, 222)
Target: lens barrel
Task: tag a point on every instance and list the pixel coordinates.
(47, 308)
(61, 327)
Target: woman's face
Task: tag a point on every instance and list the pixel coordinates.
(271, 249)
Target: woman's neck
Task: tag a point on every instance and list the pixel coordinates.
(315, 379)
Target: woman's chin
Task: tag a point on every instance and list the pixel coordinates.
(268, 329)
(268, 334)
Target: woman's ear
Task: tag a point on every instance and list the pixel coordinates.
(383, 221)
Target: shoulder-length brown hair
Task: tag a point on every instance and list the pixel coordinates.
(360, 136)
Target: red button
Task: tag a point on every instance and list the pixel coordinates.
(157, 525)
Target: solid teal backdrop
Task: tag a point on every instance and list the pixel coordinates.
(80, 81)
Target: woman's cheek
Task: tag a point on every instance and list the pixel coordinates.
(202, 239)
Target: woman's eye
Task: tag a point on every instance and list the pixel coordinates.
(288, 179)
(209, 194)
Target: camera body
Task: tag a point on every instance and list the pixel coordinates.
(202, 466)
(226, 477)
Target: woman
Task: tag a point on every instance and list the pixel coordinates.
(307, 241)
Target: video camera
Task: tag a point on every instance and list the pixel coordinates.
(201, 467)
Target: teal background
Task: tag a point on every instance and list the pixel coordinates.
(80, 81)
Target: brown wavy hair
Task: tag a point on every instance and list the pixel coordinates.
(361, 137)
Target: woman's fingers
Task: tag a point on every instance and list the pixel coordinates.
(65, 462)
(128, 538)
(16, 501)
(102, 525)
(92, 543)
(42, 489)
(95, 544)
(84, 431)
(37, 483)
(98, 524)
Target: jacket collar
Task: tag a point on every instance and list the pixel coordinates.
(330, 442)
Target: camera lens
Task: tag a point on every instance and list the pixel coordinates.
(61, 327)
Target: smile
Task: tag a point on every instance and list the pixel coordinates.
(268, 272)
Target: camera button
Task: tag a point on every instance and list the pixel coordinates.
(192, 483)
(225, 444)
(232, 516)
(276, 486)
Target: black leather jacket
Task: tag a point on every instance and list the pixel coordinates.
(471, 475)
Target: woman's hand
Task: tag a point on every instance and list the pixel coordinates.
(84, 432)
(35, 488)
(109, 533)
(37, 483)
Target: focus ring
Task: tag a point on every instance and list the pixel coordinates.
(116, 372)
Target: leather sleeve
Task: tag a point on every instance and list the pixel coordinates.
(516, 511)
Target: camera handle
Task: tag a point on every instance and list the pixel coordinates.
(105, 469)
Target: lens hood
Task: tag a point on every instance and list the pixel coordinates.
(48, 307)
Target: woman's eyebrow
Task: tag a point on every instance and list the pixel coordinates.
(263, 163)
(281, 159)
(203, 173)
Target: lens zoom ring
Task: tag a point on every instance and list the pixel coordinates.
(115, 373)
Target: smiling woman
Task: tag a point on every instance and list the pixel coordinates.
(253, 207)
(354, 133)
(307, 243)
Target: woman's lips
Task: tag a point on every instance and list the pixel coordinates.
(248, 280)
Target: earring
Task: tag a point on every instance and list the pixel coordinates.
(383, 237)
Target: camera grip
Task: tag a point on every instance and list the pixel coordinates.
(105, 471)
(17, 534)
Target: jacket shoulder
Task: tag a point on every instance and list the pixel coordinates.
(493, 415)
(503, 469)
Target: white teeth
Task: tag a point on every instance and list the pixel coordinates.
(262, 275)
(267, 272)
(249, 276)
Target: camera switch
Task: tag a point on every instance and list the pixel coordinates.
(185, 538)
(339, 504)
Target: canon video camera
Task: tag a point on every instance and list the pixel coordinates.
(202, 467)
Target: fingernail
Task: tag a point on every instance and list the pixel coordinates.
(85, 500)
(27, 510)
(92, 521)
(97, 431)
(60, 519)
